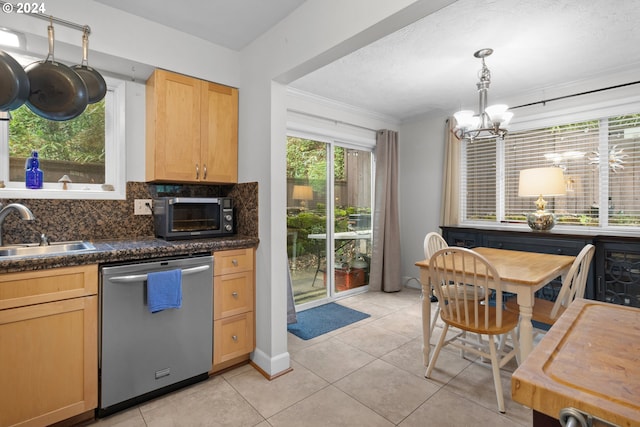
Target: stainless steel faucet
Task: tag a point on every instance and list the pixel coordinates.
(25, 214)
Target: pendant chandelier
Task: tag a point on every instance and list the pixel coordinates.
(490, 122)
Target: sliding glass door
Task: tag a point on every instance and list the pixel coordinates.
(352, 218)
(329, 199)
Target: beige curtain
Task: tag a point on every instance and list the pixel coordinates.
(385, 259)
(450, 206)
(291, 305)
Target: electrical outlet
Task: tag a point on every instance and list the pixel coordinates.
(142, 207)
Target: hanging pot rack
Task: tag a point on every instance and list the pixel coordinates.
(50, 18)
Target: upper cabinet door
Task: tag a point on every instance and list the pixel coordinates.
(173, 127)
(219, 133)
(192, 130)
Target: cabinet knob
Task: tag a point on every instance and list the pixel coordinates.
(204, 171)
(234, 262)
(197, 171)
(234, 338)
(234, 294)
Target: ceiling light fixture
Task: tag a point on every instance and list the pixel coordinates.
(491, 121)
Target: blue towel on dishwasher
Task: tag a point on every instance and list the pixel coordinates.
(164, 290)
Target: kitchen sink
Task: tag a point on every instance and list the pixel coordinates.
(55, 248)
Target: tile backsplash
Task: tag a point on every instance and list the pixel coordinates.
(63, 220)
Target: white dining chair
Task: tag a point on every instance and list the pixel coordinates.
(433, 242)
(574, 285)
(472, 311)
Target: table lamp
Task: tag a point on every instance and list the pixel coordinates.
(302, 193)
(541, 182)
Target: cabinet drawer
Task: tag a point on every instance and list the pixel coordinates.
(232, 294)
(35, 287)
(233, 261)
(460, 239)
(234, 337)
(538, 244)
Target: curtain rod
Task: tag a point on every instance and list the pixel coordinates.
(544, 102)
(9, 7)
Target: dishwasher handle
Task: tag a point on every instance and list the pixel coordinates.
(141, 277)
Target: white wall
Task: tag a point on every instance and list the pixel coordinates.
(421, 158)
(135, 131)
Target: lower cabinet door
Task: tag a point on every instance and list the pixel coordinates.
(48, 361)
(233, 337)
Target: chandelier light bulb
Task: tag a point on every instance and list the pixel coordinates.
(496, 112)
(506, 118)
(464, 118)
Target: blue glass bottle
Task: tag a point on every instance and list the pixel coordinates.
(34, 177)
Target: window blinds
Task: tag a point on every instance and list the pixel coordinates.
(568, 147)
(480, 168)
(601, 164)
(623, 170)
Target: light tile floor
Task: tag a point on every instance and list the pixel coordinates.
(367, 374)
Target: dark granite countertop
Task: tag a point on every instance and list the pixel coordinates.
(108, 251)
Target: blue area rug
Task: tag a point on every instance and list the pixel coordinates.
(325, 318)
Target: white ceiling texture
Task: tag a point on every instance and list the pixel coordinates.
(540, 47)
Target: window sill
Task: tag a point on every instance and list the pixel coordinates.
(559, 229)
(52, 193)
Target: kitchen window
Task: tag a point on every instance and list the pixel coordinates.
(600, 159)
(88, 149)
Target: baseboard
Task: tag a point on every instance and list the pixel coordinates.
(267, 376)
(271, 366)
(411, 282)
(229, 365)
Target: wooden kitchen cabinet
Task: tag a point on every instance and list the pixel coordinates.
(233, 307)
(191, 130)
(617, 263)
(48, 345)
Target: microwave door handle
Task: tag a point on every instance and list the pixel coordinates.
(142, 277)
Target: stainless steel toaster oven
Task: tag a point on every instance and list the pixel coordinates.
(193, 217)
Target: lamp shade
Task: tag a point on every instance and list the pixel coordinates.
(541, 181)
(302, 192)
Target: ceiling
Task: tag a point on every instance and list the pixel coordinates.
(229, 23)
(541, 47)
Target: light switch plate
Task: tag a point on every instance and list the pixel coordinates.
(142, 207)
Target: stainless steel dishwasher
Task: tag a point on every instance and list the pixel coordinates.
(144, 354)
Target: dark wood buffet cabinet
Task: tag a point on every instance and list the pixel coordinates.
(615, 272)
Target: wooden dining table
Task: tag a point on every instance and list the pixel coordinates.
(521, 273)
